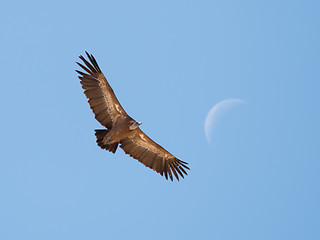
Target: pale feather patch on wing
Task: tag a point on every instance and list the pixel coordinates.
(152, 147)
(112, 106)
(142, 137)
(117, 107)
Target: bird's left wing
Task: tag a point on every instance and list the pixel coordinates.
(102, 100)
(152, 155)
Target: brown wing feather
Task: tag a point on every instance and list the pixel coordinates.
(102, 99)
(152, 155)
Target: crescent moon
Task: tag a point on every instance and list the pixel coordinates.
(215, 112)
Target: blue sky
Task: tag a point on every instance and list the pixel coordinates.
(169, 63)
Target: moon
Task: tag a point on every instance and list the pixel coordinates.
(215, 112)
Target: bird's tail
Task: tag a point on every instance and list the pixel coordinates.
(100, 133)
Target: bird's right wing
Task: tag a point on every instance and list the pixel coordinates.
(152, 155)
(102, 100)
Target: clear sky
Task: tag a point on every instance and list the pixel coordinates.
(169, 63)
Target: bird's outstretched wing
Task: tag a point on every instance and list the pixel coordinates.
(102, 100)
(152, 155)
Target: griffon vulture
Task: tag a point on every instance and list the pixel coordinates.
(120, 127)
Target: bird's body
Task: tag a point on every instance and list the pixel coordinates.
(121, 128)
(120, 131)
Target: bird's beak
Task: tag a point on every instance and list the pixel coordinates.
(135, 125)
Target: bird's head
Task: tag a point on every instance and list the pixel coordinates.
(134, 125)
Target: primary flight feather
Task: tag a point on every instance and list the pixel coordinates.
(120, 127)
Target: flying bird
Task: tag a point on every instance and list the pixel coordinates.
(120, 128)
